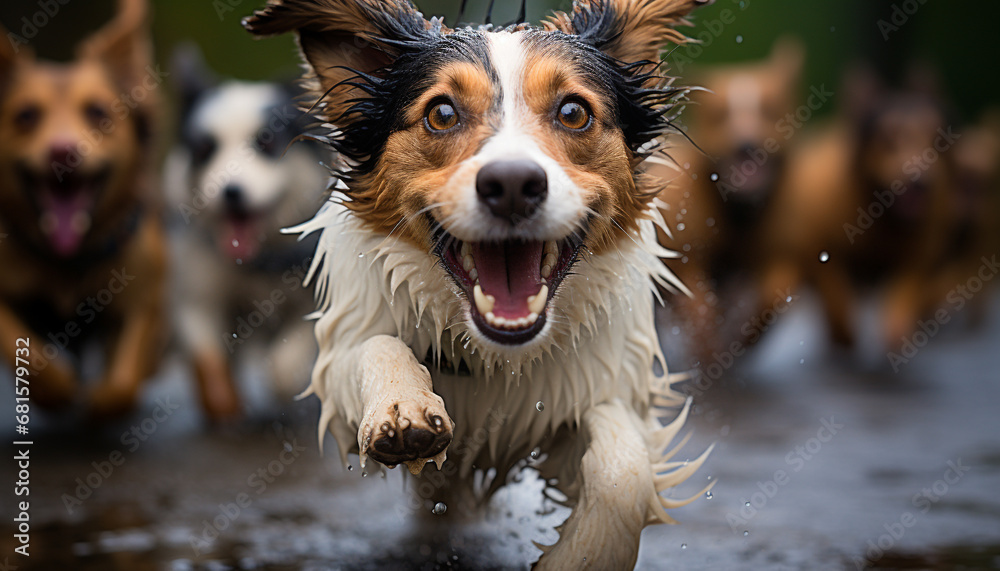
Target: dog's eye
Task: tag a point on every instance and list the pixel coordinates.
(573, 115)
(28, 117)
(202, 149)
(442, 117)
(266, 142)
(95, 113)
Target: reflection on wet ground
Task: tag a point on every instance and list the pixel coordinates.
(821, 465)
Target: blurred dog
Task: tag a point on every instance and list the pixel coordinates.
(869, 204)
(493, 253)
(235, 182)
(723, 192)
(82, 249)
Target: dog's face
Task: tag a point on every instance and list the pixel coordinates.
(902, 142)
(235, 138)
(71, 139)
(503, 153)
(746, 107)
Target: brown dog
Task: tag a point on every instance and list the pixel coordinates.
(718, 198)
(869, 203)
(82, 248)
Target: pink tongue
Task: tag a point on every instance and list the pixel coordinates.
(239, 239)
(64, 238)
(510, 272)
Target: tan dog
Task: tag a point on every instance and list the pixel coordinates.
(720, 195)
(83, 251)
(486, 271)
(869, 204)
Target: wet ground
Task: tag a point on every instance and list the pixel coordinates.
(842, 465)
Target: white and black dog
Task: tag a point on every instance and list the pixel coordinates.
(235, 181)
(486, 270)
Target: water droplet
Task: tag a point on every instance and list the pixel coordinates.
(684, 546)
(709, 495)
(680, 226)
(833, 28)
(745, 533)
(239, 261)
(234, 336)
(739, 39)
(788, 299)
(361, 255)
(539, 406)
(824, 256)
(288, 446)
(714, 176)
(675, 330)
(350, 467)
(439, 508)
(236, 243)
(710, 222)
(535, 453)
(802, 361)
(747, 504)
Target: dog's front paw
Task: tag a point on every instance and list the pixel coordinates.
(413, 432)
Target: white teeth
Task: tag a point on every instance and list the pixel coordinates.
(474, 274)
(552, 248)
(468, 263)
(466, 249)
(484, 303)
(546, 271)
(536, 303)
(520, 323)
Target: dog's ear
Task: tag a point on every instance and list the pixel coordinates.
(628, 30)
(788, 57)
(123, 44)
(192, 76)
(11, 50)
(341, 39)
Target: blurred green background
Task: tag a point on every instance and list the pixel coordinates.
(956, 38)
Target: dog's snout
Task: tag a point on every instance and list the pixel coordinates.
(233, 196)
(62, 151)
(512, 189)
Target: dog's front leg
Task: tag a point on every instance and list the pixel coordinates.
(402, 420)
(134, 357)
(617, 495)
(53, 384)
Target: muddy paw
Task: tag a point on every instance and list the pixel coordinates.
(407, 432)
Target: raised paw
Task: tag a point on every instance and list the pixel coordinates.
(413, 432)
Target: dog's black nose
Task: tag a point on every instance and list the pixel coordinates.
(232, 195)
(512, 189)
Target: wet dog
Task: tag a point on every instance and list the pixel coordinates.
(489, 265)
(235, 181)
(741, 125)
(83, 251)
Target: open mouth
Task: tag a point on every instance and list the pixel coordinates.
(65, 204)
(509, 284)
(239, 234)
